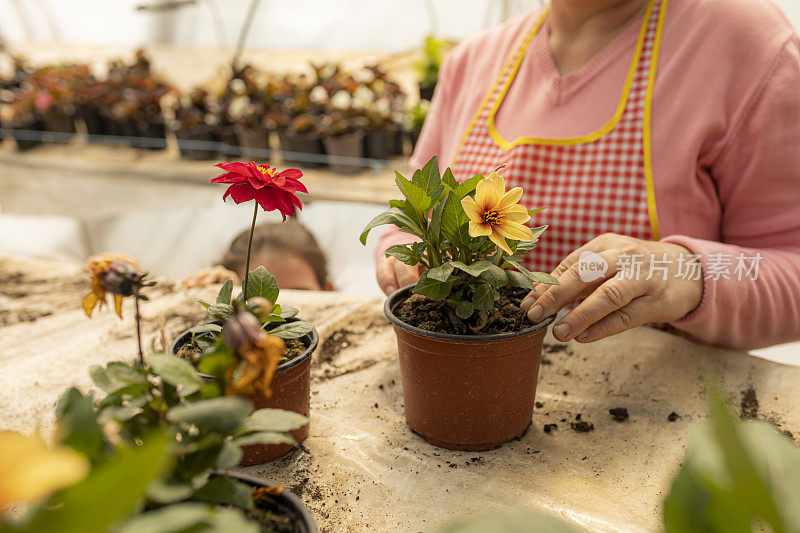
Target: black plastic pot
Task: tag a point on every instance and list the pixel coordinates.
(28, 125)
(426, 91)
(195, 134)
(287, 503)
(467, 392)
(226, 134)
(350, 146)
(413, 136)
(301, 143)
(291, 391)
(156, 132)
(376, 144)
(254, 142)
(59, 123)
(397, 142)
(92, 119)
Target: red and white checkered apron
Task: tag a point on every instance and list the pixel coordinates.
(590, 185)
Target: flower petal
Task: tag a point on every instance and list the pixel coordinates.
(510, 198)
(489, 192)
(89, 303)
(479, 230)
(500, 242)
(514, 231)
(516, 213)
(472, 209)
(118, 305)
(240, 192)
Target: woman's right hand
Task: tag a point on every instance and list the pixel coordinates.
(393, 274)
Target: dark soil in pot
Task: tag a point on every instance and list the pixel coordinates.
(349, 145)
(281, 513)
(301, 143)
(291, 389)
(189, 138)
(376, 144)
(466, 392)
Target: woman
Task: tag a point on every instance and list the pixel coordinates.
(666, 133)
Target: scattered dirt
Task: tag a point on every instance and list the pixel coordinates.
(505, 317)
(549, 427)
(335, 343)
(673, 416)
(581, 426)
(749, 403)
(619, 414)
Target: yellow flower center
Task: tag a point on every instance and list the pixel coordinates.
(267, 171)
(492, 217)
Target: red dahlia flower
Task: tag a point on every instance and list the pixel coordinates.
(270, 188)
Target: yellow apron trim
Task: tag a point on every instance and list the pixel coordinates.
(584, 139)
(497, 81)
(647, 134)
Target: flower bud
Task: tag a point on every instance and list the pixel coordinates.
(120, 278)
(260, 307)
(241, 330)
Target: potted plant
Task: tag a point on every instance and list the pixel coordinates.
(416, 118)
(194, 126)
(433, 53)
(469, 359)
(23, 117)
(343, 135)
(206, 424)
(291, 387)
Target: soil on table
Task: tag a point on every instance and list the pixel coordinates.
(506, 317)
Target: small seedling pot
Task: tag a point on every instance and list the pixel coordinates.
(376, 144)
(301, 143)
(286, 503)
(253, 141)
(350, 145)
(291, 391)
(467, 392)
(189, 150)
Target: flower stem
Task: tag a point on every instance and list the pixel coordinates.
(138, 325)
(249, 247)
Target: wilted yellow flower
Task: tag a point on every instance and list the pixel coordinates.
(257, 353)
(119, 278)
(29, 470)
(98, 294)
(496, 214)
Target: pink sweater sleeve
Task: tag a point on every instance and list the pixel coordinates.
(428, 145)
(758, 183)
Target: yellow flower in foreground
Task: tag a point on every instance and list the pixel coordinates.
(29, 470)
(106, 279)
(495, 213)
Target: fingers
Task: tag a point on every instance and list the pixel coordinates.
(573, 283)
(405, 274)
(384, 272)
(209, 276)
(609, 297)
(634, 314)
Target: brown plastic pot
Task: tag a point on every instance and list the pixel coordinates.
(467, 392)
(286, 504)
(344, 151)
(291, 391)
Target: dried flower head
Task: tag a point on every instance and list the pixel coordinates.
(258, 354)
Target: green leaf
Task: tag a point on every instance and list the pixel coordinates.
(292, 330)
(225, 293)
(468, 186)
(223, 490)
(532, 212)
(77, 425)
(435, 224)
(203, 303)
(260, 283)
(455, 221)
(414, 194)
(177, 372)
(173, 519)
(265, 437)
(111, 492)
(450, 180)
(440, 273)
(229, 456)
(536, 277)
(273, 420)
(217, 362)
(118, 375)
(223, 415)
(433, 289)
(427, 178)
(392, 216)
(518, 279)
(464, 310)
(484, 297)
(475, 269)
(495, 276)
(406, 253)
(162, 492)
(221, 312)
(288, 312)
(509, 522)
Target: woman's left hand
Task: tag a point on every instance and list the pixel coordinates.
(618, 298)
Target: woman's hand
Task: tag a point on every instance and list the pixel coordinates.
(619, 298)
(209, 276)
(393, 274)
